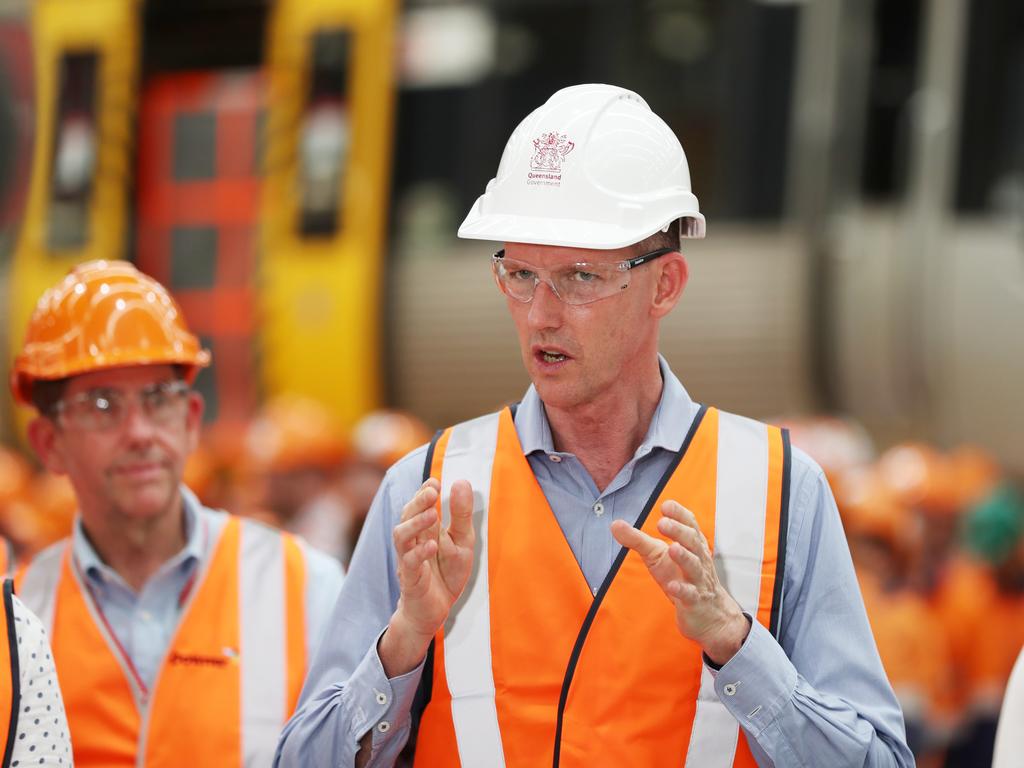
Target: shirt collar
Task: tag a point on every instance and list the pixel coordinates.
(672, 418)
(90, 562)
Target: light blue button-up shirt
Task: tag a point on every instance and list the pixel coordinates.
(144, 622)
(816, 697)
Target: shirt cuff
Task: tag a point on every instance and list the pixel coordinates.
(379, 703)
(756, 683)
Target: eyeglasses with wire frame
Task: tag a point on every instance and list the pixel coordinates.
(579, 283)
(105, 408)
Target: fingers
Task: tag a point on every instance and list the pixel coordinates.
(461, 506)
(649, 548)
(425, 498)
(679, 524)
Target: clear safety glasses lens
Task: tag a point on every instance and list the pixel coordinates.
(579, 283)
(106, 408)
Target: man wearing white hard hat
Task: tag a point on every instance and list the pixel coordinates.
(607, 573)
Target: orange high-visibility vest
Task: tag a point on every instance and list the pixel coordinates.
(532, 669)
(231, 675)
(10, 688)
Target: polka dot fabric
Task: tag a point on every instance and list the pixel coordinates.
(42, 735)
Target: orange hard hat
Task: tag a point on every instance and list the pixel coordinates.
(869, 508)
(383, 437)
(920, 478)
(975, 473)
(103, 314)
(292, 432)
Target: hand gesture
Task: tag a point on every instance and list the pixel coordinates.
(685, 570)
(433, 567)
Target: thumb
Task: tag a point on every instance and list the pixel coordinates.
(461, 506)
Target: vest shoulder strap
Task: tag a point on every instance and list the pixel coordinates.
(10, 655)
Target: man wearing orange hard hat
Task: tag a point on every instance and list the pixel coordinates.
(181, 634)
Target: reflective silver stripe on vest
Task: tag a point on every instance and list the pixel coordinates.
(740, 505)
(38, 589)
(263, 655)
(467, 632)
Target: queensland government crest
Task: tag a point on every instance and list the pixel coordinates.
(549, 149)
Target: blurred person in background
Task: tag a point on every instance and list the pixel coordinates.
(181, 634)
(15, 474)
(379, 439)
(912, 642)
(294, 453)
(573, 527)
(994, 532)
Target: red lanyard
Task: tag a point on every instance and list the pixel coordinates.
(183, 596)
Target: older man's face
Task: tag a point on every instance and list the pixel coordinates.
(575, 354)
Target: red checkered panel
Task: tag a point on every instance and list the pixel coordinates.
(198, 204)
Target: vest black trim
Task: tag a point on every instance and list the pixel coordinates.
(606, 584)
(12, 645)
(780, 562)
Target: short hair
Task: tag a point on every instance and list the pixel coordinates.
(46, 393)
(669, 238)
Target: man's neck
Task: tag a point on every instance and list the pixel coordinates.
(605, 433)
(135, 548)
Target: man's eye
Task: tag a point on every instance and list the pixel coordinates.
(521, 274)
(582, 276)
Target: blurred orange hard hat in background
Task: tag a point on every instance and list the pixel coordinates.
(920, 477)
(869, 508)
(103, 314)
(293, 432)
(383, 437)
(975, 474)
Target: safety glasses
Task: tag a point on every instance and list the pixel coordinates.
(580, 283)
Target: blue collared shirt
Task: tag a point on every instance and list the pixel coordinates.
(145, 621)
(816, 697)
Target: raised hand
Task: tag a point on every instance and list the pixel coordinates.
(685, 570)
(433, 567)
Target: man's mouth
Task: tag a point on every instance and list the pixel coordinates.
(550, 355)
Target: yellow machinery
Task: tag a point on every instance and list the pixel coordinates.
(310, 214)
(325, 199)
(86, 64)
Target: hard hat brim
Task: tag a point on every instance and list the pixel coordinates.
(567, 233)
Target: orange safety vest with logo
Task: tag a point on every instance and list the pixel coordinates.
(532, 669)
(230, 677)
(10, 676)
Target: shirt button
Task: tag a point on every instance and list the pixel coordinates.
(730, 689)
(382, 698)
(383, 726)
(554, 458)
(599, 509)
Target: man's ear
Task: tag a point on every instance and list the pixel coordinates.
(43, 436)
(194, 419)
(672, 277)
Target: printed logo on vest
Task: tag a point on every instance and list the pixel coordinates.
(549, 150)
(228, 656)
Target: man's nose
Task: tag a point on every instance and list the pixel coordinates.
(138, 427)
(546, 308)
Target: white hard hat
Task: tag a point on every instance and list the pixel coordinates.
(593, 167)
